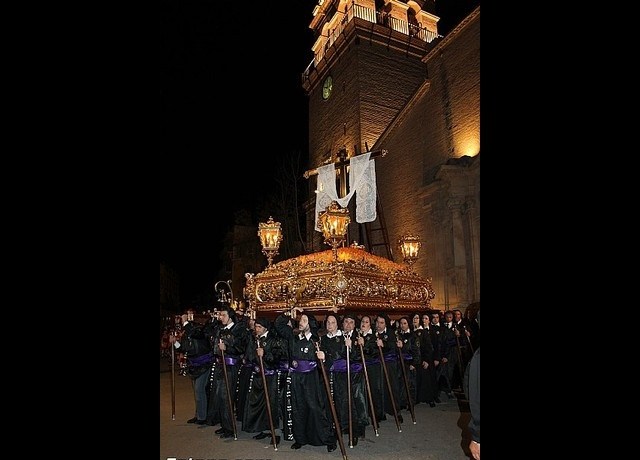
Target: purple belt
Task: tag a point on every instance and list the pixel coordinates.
(302, 365)
(229, 361)
(390, 357)
(340, 365)
(283, 366)
(407, 357)
(256, 370)
(201, 360)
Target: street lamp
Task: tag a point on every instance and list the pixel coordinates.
(410, 246)
(270, 237)
(333, 223)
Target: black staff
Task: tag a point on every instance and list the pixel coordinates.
(333, 407)
(406, 379)
(226, 381)
(349, 399)
(386, 378)
(370, 397)
(266, 395)
(468, 339)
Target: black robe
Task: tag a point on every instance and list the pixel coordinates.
(310, 413)
(255, 417)
(336, 355)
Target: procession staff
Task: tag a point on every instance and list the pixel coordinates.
(404, 326)
(383, 340)
(349, 403)
(357, 399)
(374, 368)
(372, 409)
(226, 381)
(260, 409)
(260, 352)
(386, 377)
(320, 358)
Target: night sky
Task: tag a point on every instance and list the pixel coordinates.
(231, 101)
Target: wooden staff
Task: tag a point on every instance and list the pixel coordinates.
(386, 377)
(229, 400)
(349, 399)
(266, 395)
(459, 357)
(468, 339)
(370, 397)
(333, 407)
(406, 380)
(173, 380)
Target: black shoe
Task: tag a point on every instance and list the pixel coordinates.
(201, 422)
(226, 434)
(277, 440)
(432, 404)
(220, 431)
(261, 436)
(192, 420)
(355, 441)
(331, 447)
(400, 419)
(297, 445)
(437, 400)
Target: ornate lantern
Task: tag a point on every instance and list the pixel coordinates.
(410, 246)
(270, 237)
(333, 223)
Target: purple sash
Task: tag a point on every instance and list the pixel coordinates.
(256, 370)
(302, 365)
(228, 360)
(390, 357)
(340, 365)
(200, 360)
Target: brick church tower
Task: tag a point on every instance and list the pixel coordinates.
(383, 78)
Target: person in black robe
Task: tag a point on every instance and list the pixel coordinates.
(230, 339)
(359, 407)
(374, 369)
(387, 341)
(195, 344)
(409, 346)
(311, 419)
(265, 344)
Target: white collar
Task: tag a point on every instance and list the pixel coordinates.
(305, 336)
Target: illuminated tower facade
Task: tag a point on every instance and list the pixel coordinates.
(383, 78)
(367, 64)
